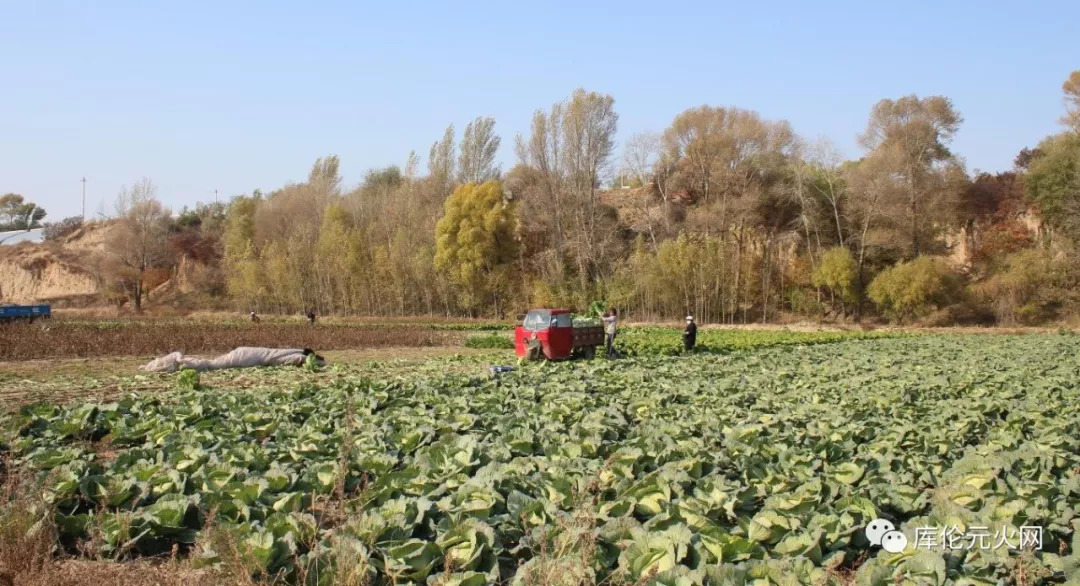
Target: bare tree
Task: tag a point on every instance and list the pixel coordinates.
(139, 241)
(543, 152)
(723, 150)
(917, 132)
(324, 180)
(441, 163)
(569, 150)
(588, 130)
(828, 182)
(694, 136)
(479, 144)
(641, 156)
(801, 190)
(873, 185)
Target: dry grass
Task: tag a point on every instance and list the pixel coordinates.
(99, 573)
(30, 554)
(29, 549)
(26, 542)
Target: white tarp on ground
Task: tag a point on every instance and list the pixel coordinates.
(244, 357)
(36, 235)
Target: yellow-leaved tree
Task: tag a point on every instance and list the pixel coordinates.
(476, 243)
(838, 273)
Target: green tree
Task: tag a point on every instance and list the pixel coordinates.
(1053, 183)
(476, 242)
(913, 288)
(243, 274)
(334, 277)
(240, 225)
(244, 278)
(839, 274)
(18, 214)
(281, 282)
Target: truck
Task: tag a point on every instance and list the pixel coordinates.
(10, 313)
(554, 335)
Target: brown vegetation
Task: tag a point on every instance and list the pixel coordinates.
(29, 546)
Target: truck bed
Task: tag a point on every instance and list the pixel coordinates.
(30, 312)
(588, 336)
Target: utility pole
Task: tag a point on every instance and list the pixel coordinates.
(215, 196)
(84, 199)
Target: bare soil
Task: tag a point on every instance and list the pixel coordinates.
(59, 338)
(105, 379)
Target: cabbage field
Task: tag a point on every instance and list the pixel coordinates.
(758, 466)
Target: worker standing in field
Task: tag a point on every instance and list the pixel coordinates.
(611, 319)
(311, 317)
(689, 335)
(254, 318)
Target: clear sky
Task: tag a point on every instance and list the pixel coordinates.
(235, 96)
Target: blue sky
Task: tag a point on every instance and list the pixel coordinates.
(235, 96)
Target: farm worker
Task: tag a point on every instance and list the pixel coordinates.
(254, 317)
(689, 335)
(610, 319)
(311, 317)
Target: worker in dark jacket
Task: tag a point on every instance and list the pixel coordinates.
(689, 335)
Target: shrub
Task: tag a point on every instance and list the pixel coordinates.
(839, 274)
(914, 288)
(489, 341)
(57, 230)
(803, 302)
(1031, 287)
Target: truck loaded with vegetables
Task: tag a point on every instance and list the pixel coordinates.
(556, 334)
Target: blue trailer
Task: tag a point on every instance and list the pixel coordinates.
(9, 313)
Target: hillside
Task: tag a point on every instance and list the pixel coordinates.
(63, 271)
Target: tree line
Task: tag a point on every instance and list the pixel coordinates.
(723, 214)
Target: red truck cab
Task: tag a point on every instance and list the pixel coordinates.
(550, 333)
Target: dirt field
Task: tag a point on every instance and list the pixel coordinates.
(105, 379)
(81, 339)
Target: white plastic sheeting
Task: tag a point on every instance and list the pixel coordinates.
(36, 235)
(244, 357)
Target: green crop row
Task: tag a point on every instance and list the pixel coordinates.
(747, 468)
(651, 341)
(490, 341)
